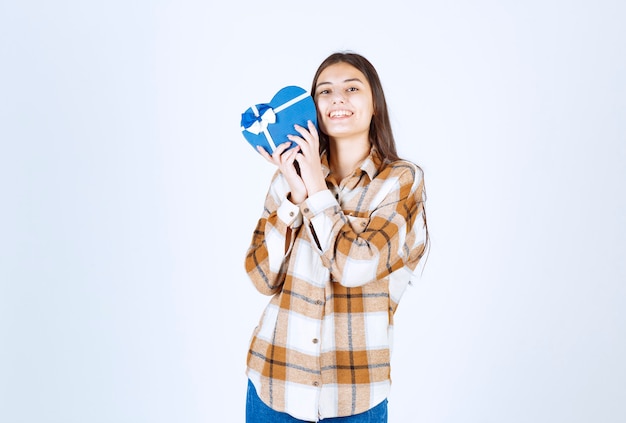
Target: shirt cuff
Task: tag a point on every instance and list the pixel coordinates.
(317, 203)
(290, 214)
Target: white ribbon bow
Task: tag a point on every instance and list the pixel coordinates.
(261, 124)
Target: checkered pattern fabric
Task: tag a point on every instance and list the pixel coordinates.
(336, 266)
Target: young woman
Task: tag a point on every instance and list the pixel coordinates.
(335, 248)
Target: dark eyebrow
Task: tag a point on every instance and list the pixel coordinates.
(346, 80)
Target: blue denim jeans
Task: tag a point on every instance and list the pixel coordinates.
(258, 412)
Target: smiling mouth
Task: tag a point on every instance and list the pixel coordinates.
(340, 113)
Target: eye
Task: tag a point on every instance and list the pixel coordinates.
(323, 92)
(352, 89)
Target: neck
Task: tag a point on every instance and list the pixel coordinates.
(346, 154)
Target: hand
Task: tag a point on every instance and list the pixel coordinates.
(308, 158)
(285, 160)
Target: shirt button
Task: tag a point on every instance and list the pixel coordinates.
(306, 210)
(362, 223)
(290, 214)
(315, 340)
(316, 383)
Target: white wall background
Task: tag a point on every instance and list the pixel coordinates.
(128, 198)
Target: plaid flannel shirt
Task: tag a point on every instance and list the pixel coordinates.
(336, 267)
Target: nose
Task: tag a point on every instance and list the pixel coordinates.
(338, 97)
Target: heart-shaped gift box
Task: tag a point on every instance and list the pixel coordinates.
(268, 124)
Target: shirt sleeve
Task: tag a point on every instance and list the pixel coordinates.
(273, 238)
(365, 246)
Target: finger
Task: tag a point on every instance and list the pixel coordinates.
(305, 147)
(293, 138)
(280, 149)
(303, 132)
(312, 129)
(289, 156)
(277, 155)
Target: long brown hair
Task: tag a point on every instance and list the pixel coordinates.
(380, 133)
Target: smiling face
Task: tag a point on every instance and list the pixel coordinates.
(344, 102)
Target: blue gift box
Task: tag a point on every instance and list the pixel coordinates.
(268, 124)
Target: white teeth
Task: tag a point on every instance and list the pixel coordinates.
(340, 113)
